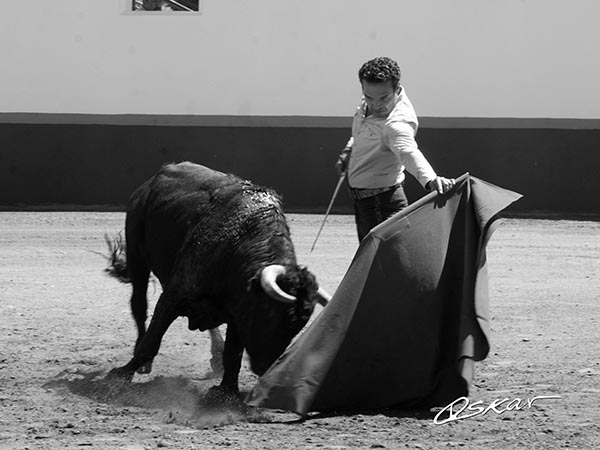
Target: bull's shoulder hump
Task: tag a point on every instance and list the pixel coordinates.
(189, 169)
(188, 177)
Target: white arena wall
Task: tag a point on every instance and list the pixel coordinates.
(505, 89)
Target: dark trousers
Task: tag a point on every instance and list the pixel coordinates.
(371, 211)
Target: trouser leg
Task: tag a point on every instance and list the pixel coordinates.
(371, 211)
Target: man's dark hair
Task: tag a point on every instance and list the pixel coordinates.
(380, 70)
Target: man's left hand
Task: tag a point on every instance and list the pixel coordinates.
(441, 184)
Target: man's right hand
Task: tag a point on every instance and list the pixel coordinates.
(341, 164)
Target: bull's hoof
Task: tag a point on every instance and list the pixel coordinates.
(145, 368)
(120, 374)
(222, 397)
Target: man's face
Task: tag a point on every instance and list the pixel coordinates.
(380, 97)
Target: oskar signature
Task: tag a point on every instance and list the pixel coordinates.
(462, 408)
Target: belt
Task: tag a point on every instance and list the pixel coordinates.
(359, 194)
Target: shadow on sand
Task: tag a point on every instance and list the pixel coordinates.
(183, 401)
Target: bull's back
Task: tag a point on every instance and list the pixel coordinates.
(165, 208)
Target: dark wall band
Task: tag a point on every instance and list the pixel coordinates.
(92, 161)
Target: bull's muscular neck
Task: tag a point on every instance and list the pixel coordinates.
(245, 227)
(261, 232)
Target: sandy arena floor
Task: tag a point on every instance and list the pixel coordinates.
(64, 324)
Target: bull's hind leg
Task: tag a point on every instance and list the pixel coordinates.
(216, 349)
(139, 274)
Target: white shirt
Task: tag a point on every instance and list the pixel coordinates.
(383, 148)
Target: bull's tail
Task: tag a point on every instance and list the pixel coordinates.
(117, 259)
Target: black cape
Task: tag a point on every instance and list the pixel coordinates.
(409, 318)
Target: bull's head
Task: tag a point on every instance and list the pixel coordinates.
(268, 281)
(283, 299)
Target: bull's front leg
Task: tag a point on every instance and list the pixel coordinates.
(232, 359)
(147, 348)
(232, 363)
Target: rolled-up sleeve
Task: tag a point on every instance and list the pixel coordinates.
(400, 137)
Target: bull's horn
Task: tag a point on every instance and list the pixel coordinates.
(268, 281)
(323, 296)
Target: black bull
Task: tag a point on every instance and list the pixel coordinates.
(221, 248)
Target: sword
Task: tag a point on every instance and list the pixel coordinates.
(335, 192)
